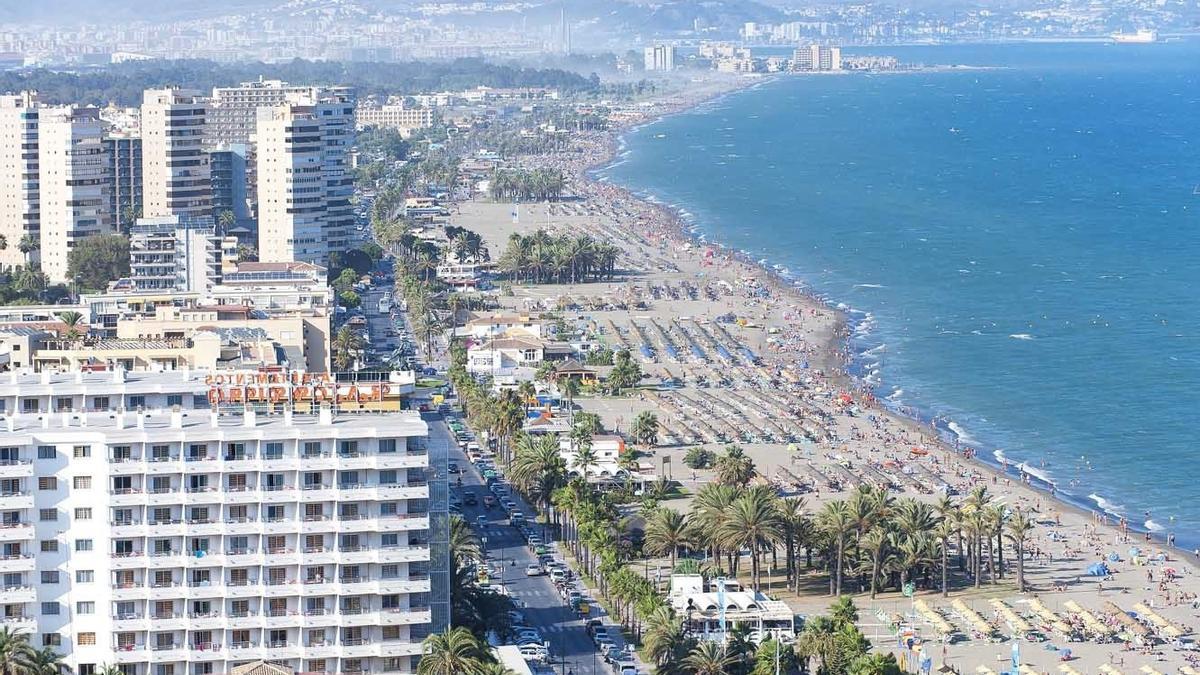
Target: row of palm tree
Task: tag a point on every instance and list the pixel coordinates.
(538, 185)
(543, 257)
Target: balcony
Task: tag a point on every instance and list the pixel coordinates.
(16, 500)
(130, 496)
(17, 594)
(16, 531)
(405, 616)
(161, 465)
(130, 653)
(16, 468)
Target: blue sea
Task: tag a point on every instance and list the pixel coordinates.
(1019, 245)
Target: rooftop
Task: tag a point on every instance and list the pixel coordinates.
(115, 425)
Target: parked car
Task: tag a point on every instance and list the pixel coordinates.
(534, 571)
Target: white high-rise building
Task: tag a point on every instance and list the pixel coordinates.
(175, 169)
(73, 183)
(233, 111)
(304, 179)
(18, 176)
(146, 530)
(659, 58)
(175, 253)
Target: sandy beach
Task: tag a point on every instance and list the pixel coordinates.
(755, 361)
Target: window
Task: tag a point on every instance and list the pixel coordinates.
(312, 449)
(86, 669)
(389, 571)
(387, 477)
(50, 608)
(51, 640)
(85, 576)
(85, 607)
(85, 639)
(29, 405)
(82, 482)
(389, 540)
(62, 404)
(47, 515)
(47, 483)
(174, 400)
(49, 576)
(387, 445)
(83, 513)
(81, 451)
(47, 452)
(136, 402)
(100, 403)
(199, 401)
(49, 546)
(83, 545)
(387, 508)
(273, 451)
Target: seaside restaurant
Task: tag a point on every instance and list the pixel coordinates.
(712, 610)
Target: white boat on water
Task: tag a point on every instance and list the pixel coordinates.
(1143, 36)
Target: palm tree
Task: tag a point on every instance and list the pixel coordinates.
(708, 658)
(28, 245)
(664, 639)
(347, 345)
(455, 652)
(710, 509)
(837, 522)
(944, 530)
(538, 467)
(46, 661)
(16, 654)
(1017, 529)
(585, 456)
(735, 467)
(71, 320)
(875, 544)
(464, 543)
(569, 388)
(645, 428)
(753, 523)
(666, 530)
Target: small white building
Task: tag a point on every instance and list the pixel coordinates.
(492, 325)
(712, 609)
(502, 355)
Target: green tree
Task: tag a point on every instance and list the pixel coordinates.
(875, 664)
(753, 523)
(455, 652)
(72, 321)
(735, 467)
(347, 346)
(99, 259)
(645, 428)
(772, 658)
(1017, 529)
(16, 654)
(708, 658)
(699, 458)
(666, 532)
(46, 661)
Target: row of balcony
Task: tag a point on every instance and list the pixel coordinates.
(138, 496)
(212, 651)
(401, 522)
(165, 559)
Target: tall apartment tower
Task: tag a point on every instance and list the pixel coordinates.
(233, 111)
(304, 181)
(175, 171)
(73, 183)
(18, 176)
(125, 176)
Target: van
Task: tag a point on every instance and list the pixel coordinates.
(516, 517)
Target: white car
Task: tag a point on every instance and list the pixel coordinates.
(534, 571)
(534, 652)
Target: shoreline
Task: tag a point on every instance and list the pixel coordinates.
(838, 356)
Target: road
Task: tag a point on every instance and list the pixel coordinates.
(543, 607)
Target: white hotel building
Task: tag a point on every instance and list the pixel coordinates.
(142, 529)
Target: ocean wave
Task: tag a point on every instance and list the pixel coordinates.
(1037, 473)
(869, 286)
(895, 395)
(874, 350)
(960, 432)
(1152, 526)
(1000, 456)
(1106, 505)
(1021, 336)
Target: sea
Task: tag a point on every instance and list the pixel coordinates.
(1017, 243)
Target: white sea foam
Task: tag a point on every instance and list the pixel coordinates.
(1153, 526)
(869, 286)
(895, 395)
(1021, 336)
(1036, 473)
(875, 350)
(1106, 505)
(960, 432)
(1000, 456)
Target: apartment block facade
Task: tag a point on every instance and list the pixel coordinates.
(19, 211)
(73, 183)
(176, 178)
(148, 529)
(304, 180)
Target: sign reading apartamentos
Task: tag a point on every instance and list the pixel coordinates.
(294, 387)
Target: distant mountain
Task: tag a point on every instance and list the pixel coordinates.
(66, 12)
